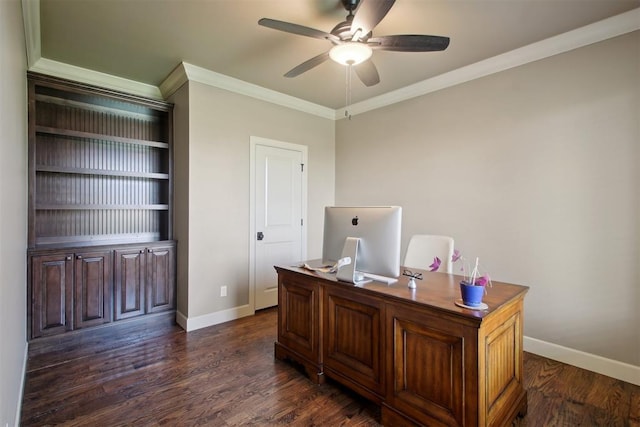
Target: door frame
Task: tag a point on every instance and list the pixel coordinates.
(253, 142)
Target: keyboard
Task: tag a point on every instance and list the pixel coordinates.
(383, 279)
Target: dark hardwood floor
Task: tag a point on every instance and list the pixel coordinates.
(152, 373)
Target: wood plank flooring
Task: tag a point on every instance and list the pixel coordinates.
(152, 373)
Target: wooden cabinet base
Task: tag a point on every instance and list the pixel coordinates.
(425, 360)
(391, 417)
(79, 288)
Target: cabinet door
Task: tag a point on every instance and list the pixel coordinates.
(92, 288)
(427, 377)
(129, 283)
(299, 316)
(51, 294)
(161, 278)
(353, 339)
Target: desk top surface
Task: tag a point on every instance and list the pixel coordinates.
(437, 290)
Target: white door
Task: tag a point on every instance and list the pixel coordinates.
(279, 215)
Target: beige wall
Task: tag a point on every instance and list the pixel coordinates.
(534, 170)
(221, 124)
(180, 100)
(13, 209)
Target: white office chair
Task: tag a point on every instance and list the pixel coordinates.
(424, 247)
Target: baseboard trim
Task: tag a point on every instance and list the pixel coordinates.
(591, 362)
(192, 323)
(22, 382)
(181, 320)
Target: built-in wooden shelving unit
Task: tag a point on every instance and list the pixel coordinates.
(100, 181)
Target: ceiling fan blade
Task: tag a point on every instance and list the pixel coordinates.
(368, 73)
(369, 14)
(307, 65)
(409, 43)
(301, 30)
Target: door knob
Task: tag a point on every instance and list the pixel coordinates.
(260, 235)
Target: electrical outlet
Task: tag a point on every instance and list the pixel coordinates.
(223, 291)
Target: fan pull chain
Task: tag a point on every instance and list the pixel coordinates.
(348, 92)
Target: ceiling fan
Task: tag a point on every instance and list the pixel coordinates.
(353, 41)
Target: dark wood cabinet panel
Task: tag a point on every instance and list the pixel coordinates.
(353, 335)
(427, 373)
(145, 280)
(93, 288)
(299, 325)
(84, 287)
(51, 294)
(502, 372)
(129, 282)
(160, 278)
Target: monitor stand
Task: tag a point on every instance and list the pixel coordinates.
(348, 272)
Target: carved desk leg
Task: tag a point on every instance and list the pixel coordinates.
(314, 372)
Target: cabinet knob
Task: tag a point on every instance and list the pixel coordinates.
(68, 258)
(149, 250)
(141, 251)
(78, 256)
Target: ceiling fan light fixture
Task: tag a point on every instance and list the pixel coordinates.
(353, 42)
(350, 53)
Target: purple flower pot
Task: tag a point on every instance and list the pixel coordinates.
(471, 295)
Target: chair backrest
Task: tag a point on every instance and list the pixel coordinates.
(424, 247)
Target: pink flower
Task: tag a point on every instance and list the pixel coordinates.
(482, 280)
(436, 264)
(471, 275)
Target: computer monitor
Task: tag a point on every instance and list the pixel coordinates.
(378, 230)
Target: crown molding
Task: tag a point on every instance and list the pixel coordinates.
(176, 78)
(31, 20)
(599, 31)
(186, 71)
(84, 75)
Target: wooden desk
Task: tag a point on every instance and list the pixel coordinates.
(425, 360)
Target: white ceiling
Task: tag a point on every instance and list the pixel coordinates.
(144, 40)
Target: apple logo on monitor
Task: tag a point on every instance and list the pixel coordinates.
(354, 220)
